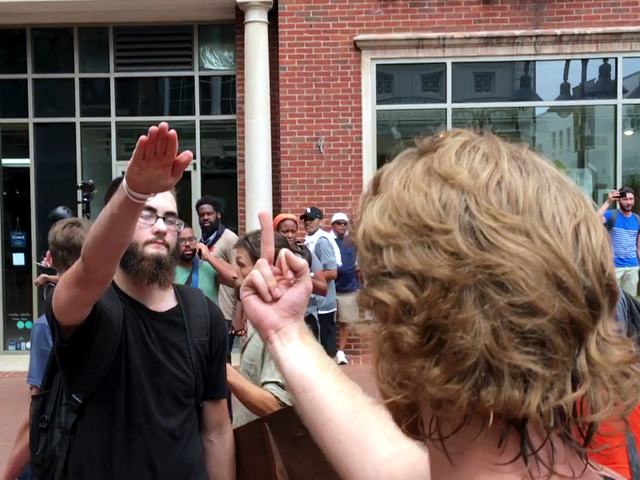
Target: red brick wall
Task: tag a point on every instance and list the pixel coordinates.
(319, 79)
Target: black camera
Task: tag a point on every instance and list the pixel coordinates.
(88, 190)
(622, 194)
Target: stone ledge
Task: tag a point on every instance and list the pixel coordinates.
(508, 42)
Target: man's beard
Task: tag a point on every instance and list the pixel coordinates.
(187, 257)
(147, 269)
(626, 208)
(207, 231)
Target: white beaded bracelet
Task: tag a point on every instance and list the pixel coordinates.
(134, 196)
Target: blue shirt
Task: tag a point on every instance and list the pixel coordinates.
(347, 281)
(624, 240)
(41, 344)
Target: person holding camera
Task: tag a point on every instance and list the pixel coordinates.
(624, 228)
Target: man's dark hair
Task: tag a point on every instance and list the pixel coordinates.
(207, 200)
(628, 190)
(60, 213)
(112, 188)
(66, 238)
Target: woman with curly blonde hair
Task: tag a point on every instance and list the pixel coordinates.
(492, 283)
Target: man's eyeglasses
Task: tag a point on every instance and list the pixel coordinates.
(173, 223)
(185, 240)
(342, 224)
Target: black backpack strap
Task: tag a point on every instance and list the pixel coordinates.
(612, 221)
(195, 314)
(106, 340)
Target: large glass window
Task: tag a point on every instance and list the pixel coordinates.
(81, 98)
(155, 96)
(566, 109)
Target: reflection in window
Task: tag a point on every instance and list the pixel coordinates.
(54, 97)
(93, 44)
(218, 95)
(219, 151)
(591, 159)
(529, 80)
(631, 77)
(483, 82)
(95, 97)
(217, 47)
(410, 83)
(155, 96)
(52, 50)
(96, 160)
(631, 149)
(398, 130)
(128, 133)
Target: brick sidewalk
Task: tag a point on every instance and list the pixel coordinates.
(14, 405)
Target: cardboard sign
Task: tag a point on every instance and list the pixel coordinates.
(279, 447)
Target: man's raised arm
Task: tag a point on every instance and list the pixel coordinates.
(155, 167)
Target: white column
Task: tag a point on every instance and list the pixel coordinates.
(257, 110)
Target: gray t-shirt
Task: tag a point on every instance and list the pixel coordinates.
(327, 256)
(312, 307)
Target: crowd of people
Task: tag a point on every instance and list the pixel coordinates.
(498, 352)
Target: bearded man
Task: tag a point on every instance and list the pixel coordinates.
(147, 418)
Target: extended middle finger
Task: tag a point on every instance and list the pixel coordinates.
(266, 271)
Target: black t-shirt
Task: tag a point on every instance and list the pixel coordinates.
(142, 422)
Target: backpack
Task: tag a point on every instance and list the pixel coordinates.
(614, 216)
(54, 411)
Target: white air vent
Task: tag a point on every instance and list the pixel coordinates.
(161, 48)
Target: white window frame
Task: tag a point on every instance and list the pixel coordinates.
(377, 49)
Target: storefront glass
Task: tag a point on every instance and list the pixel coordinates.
(579, 113)
(73, 102)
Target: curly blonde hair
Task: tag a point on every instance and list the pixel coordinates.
(492, 284)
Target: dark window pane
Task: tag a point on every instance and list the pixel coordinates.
(218, 95)
(127, 135)
(155, 96)
(54, 97)
(217, 45)
(397, 130)
(94, 97)
(14, 142)
(530, 81)
(219, 163)
(55, 163)
(580, 141)
(407, 83)
(96, 160)
(13, 50)
(16, 282)
(13, 99)
(52, 50)
(93, 44)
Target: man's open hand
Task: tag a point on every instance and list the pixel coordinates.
(155, 165)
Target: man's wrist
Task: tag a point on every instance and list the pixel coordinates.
(288, 340)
